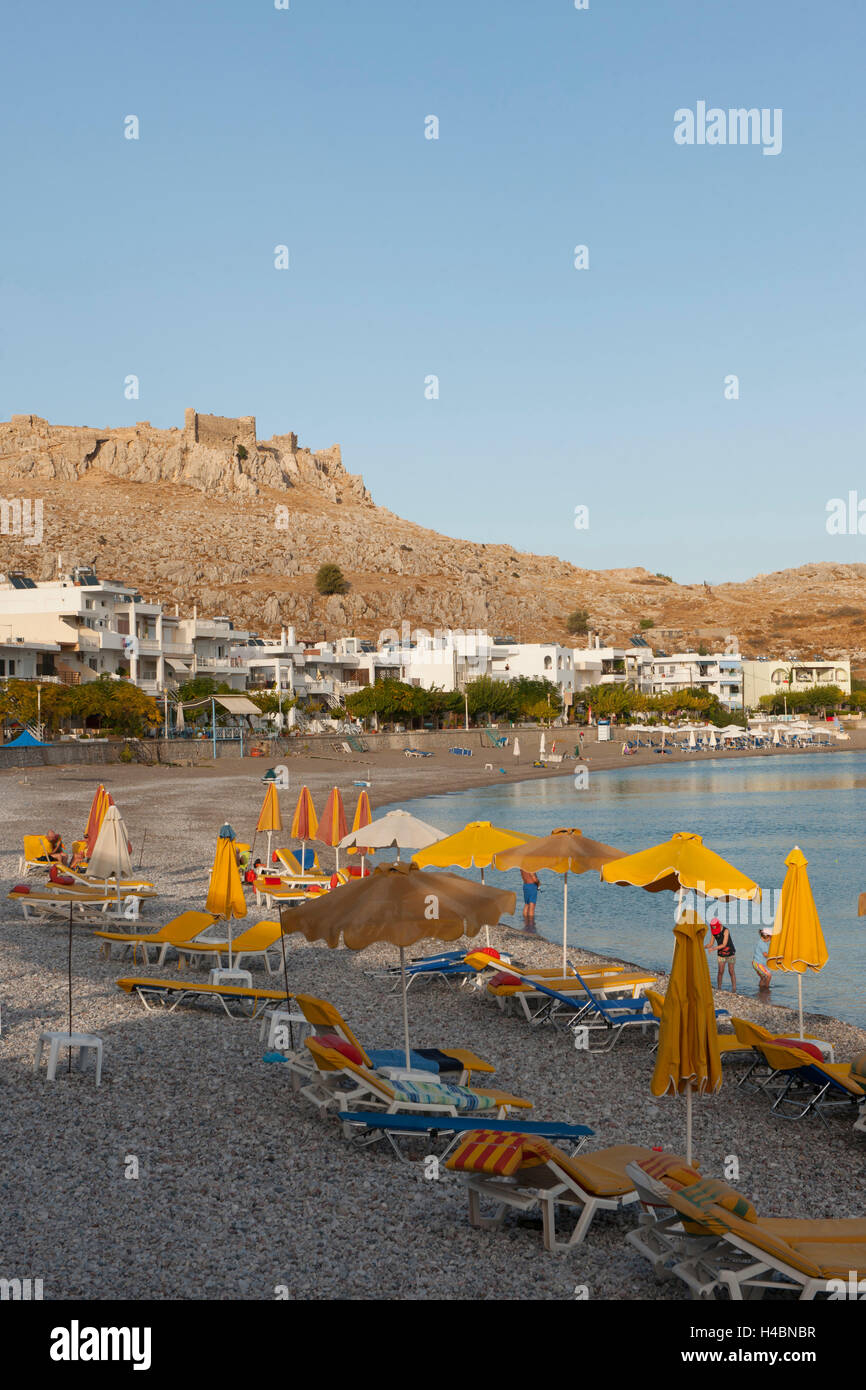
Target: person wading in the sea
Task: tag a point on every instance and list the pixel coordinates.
(723, 944)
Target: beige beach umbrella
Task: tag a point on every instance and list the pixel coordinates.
(398, 829)
(110, 857)
(402, 904)
(564, 851)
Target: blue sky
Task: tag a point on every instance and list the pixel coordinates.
(454, 257)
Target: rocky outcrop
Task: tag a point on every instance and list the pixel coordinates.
(32, 449)
(199, 516)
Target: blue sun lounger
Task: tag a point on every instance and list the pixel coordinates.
(592, 1012)
(370, 1126)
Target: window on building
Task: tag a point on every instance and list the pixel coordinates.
(11, 671)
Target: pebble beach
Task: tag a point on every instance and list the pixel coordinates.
(195, 1172)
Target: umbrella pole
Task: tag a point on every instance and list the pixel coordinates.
(269, 850)
(69, 991)
(286, 978)
(689, 1122)
(143, 839)
(564, 920)
(487, 929)
(405, 1006)
(800, 1000)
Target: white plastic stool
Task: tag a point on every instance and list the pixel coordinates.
(275, 1019)
(84, 1042)
(231, 977)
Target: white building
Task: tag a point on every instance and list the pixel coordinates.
(105, 628)
(26, 660)
(598, 665)
(718, 673)
(538, 661)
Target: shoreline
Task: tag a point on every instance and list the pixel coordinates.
(275, 1194)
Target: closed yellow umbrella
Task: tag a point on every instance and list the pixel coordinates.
(363, 816)
(304, 823)
(225, 893)
(688, 1057)
(402, 904)
(472, 847)
(269, 816)
(332, 825)
(797, 943)
(564, 851)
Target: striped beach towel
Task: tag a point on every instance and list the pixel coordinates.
(443, 1093)
(492, 1151)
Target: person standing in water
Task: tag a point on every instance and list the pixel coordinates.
(530, 897)
(723, 944)
(759, 958)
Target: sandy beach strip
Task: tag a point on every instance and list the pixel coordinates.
(243, 1188)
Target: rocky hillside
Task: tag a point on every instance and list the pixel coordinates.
(209, 515)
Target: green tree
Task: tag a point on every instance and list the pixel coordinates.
(330, 580)
(577, 622)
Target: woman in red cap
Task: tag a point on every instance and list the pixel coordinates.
(723, 943)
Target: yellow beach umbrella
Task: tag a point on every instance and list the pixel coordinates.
(269, 816)
(472, 847)
(797, 943)
(225, 893)
(682, 862)
(363, 816)
(564, 851)
(304, 823)
(688, 1057)
(402, 904)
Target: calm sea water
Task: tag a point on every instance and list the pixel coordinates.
(751, 811)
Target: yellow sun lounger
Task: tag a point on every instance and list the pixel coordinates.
(607, 984)
(480, 960)
(171, 993)
(257, 940)
(292, 865)
(176, 933)
(325, 1019)
(716, 1241)
(53, 899)
(35, 855)
(729, 1043)
(107, 884)
(521, 1173)
(351, 1086)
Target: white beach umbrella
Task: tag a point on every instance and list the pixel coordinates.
(713, 740)
(692, 740)
(542, 747)
(516, 749)
(179, 724)
(111, 852)
(398, 829)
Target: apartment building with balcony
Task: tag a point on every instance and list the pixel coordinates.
(718, 673)
(774, 677)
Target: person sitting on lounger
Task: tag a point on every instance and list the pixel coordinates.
(56, 852)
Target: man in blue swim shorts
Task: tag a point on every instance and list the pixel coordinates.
(530, 897)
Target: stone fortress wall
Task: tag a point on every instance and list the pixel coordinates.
(219, 431)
